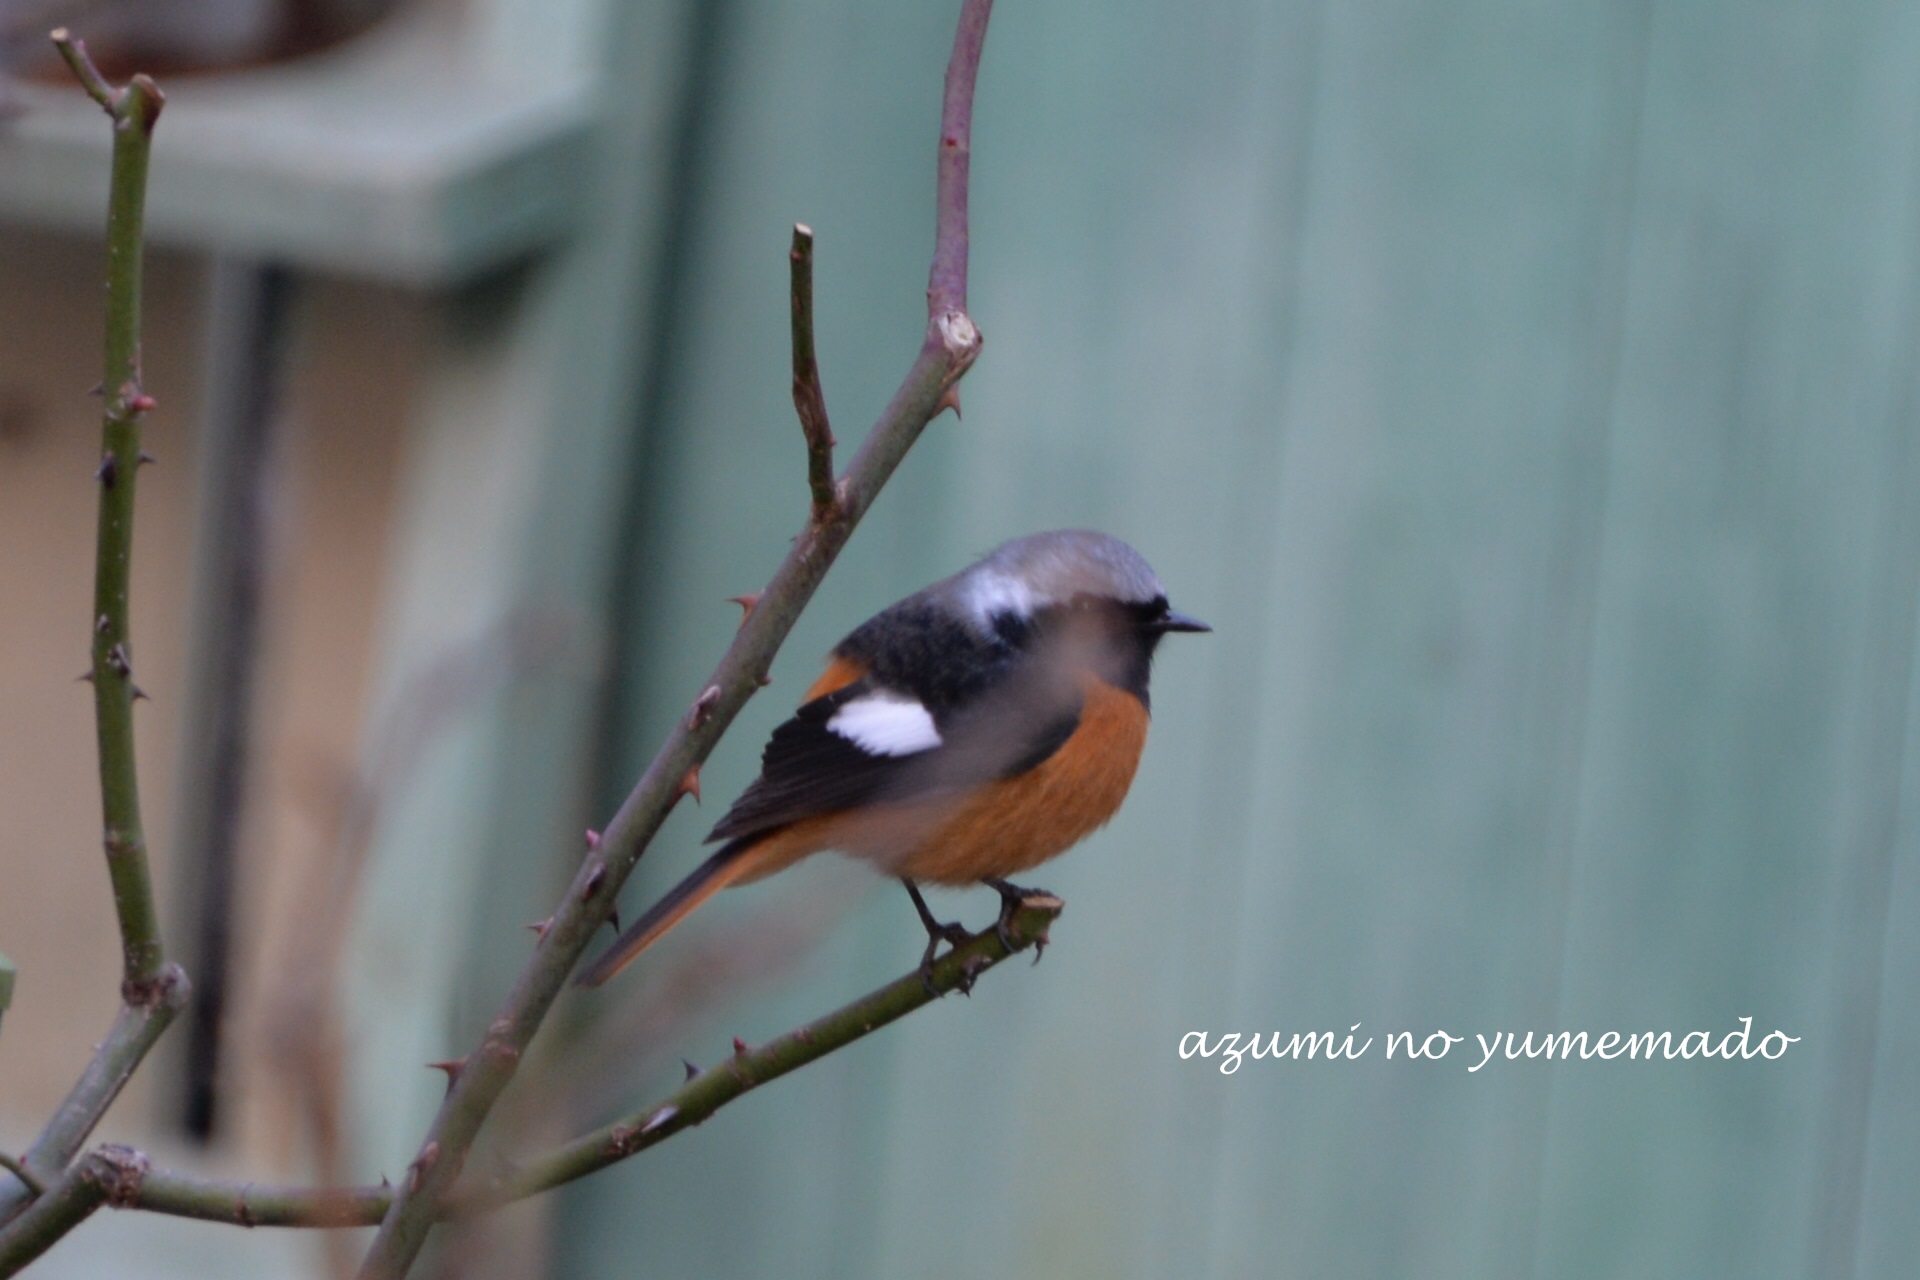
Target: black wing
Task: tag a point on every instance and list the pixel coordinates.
(1008, 727)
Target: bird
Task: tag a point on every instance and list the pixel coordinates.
(965, 734)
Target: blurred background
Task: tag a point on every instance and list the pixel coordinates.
(1526, 393)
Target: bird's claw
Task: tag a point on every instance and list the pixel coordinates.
(1011, 898)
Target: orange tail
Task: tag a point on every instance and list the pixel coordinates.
(709, 878)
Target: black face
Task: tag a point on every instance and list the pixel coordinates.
(1123, 636)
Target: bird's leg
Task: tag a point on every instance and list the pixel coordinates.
(1011, 896)
(952, 934)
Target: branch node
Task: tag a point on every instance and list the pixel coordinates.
(702, 710)
(961, 340)
(19, 1169)
(417, 1171)
(119, 1171)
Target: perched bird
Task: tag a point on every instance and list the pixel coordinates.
(966, 734)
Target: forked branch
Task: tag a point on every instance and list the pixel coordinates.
(952, 343)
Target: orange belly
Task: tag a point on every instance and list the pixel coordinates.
(999, 830)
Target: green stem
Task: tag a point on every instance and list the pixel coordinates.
(251, 1205)
(111, 1174)
(151, 990)
(133, 110)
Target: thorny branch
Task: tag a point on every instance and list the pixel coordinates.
(152, 991)
(951, 346)
(251, 1205)
(58, 1195)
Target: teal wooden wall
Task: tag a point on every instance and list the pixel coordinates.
(1526, 393)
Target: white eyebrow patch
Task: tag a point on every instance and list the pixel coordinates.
(886, 724)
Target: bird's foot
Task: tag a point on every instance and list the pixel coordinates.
(953, 933)
(1011, 897)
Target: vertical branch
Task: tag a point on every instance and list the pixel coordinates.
(951, 346)
(808, 399)
(947, 279)
(151, 990)
(133, 110)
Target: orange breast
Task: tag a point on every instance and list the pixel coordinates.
(1013, 825)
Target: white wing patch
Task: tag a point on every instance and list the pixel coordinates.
(886, 724)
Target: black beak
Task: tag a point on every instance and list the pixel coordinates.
(1179, 622)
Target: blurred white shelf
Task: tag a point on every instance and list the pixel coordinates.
(388, 157)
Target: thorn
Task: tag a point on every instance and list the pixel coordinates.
(746, 603)
(97, 389)
(140, 694)
(593, 838)
(739, 1047)
(143, 403)
(102, 623)
(613, 918)
(540, 927)
(763, 680)
(84, 675)
(703, 706)
(690, 785)
(949, 399)
(108, 472)
(658, 1119)
(417, 1171)
(452, 1066)
(146, 457)
(595, 878)
(692, 1070)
